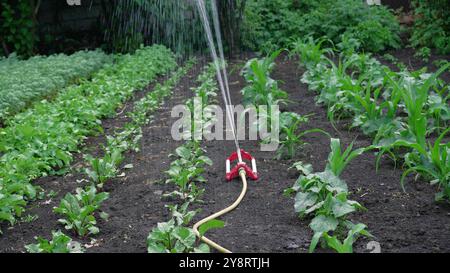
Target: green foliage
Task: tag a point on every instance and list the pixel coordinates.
(41, 139)
(205, 94)
(261, 89)
(211, 224)
(424, 53)
(173, 236)
(272, 24)
(324, 196)
(310, 51)
(107, 167)
(186, 170)
(432, 161)
(431, 25)
(60, 243)
(269, 24)
(339, 159)
(17, 26)
(291, 139)
(182, 216)
(79, 209)
(24, 82)
(104, 168)
(374, 36)
(400, 110)
(421, 105)
(440, 63)
(11, 204)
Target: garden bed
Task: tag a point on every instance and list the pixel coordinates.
(265, 221)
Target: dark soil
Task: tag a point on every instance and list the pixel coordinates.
(265, 221)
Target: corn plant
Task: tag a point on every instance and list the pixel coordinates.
(338, 159)
(310, 51)
(60, 243)
(261, 89)
(370, 114)
(439, 110)
(331, 85)
(432, 161)
(415, 96)
(79, 209)
(24, 82)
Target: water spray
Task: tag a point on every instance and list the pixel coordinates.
(241, 169)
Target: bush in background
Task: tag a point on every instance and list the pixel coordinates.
(432, 25)
(274, 23)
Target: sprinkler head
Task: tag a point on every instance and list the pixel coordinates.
(233, 173)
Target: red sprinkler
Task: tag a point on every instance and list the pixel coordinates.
(233, 173)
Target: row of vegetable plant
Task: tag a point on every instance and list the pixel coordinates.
(322, 195)
(262, 90)
(79, 211)
(400, 110)
(40, 141)
(185, 173)
(22, 82)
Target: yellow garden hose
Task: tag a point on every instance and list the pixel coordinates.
(220, 213)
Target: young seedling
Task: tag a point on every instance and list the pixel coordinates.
(291, 140)
(338, 159)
